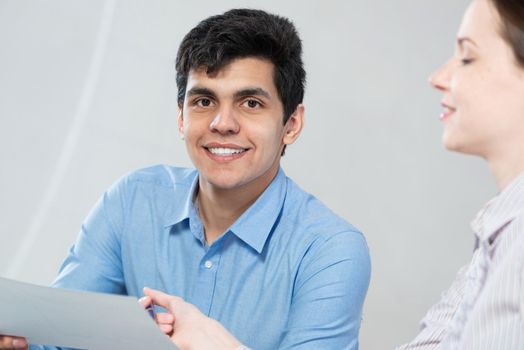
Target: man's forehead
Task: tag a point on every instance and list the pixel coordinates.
(246, 73)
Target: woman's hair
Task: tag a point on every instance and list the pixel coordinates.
(511, 14)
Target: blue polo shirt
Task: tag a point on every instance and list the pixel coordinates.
(288, 274)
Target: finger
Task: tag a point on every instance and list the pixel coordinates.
(163, 317)
(166, 328)
(20, 343)
(160, 298)
(7, 342)
(145, 301)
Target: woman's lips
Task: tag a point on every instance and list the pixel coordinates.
(446, 112)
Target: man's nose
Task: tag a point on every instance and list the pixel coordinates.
(225, 122)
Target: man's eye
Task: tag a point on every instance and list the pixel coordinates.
(252, 104)
(203, 102)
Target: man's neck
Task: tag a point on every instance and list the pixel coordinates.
(220, 208)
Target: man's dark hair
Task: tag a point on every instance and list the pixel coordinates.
(241, 33)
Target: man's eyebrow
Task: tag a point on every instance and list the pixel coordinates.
(255, 91)
(200, 91)
(463, 39)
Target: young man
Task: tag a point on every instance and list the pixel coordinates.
(235, 237)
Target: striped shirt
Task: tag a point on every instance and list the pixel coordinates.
(484, 307)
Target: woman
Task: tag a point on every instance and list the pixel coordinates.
(483, 100)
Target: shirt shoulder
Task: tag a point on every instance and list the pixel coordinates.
(313, 217)
(161, 175)
(315, 232)
(161, 190)
(153, 181)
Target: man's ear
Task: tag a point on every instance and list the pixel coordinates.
(294, 125)
(180, 120)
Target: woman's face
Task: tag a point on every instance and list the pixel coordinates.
(482, 87)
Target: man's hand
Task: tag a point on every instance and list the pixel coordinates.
(190, 329)
(7, 342)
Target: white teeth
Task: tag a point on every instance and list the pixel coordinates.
(225, 151)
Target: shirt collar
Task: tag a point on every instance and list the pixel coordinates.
(255, 224)
(500, 210)
(179, 213)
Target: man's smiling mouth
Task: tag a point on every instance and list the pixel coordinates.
(222, 151)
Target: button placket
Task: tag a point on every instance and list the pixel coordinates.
(205, 282)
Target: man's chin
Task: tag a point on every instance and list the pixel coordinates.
(222, 182)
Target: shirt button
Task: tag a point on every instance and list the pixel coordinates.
(208, 264)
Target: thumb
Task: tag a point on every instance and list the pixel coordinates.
(161, 298)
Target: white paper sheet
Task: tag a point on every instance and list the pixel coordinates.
(77, 319)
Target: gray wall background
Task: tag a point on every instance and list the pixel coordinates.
(87, 94)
